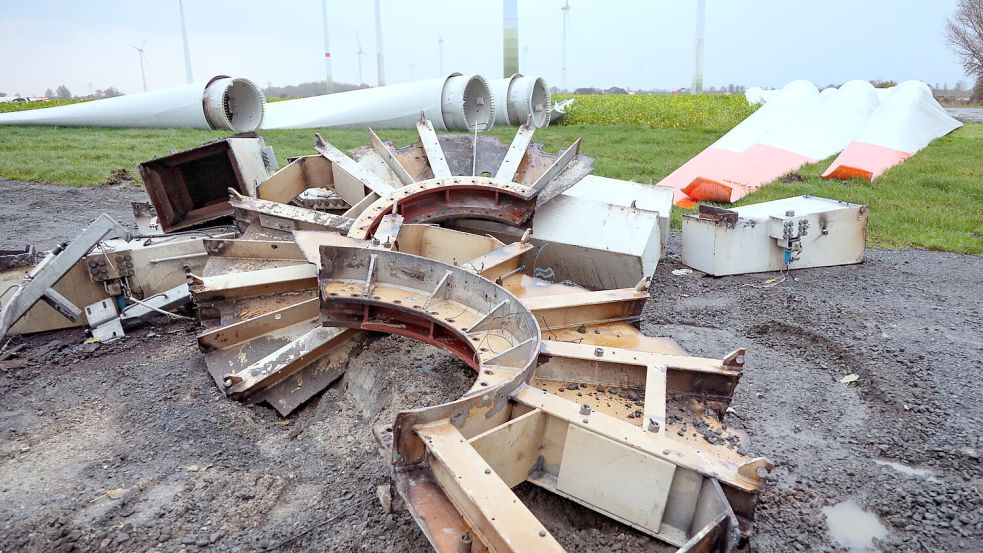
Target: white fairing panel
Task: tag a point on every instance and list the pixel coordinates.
(908, 119)
(825, 130)
(796, 98)
(754, 95)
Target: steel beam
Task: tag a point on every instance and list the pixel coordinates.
(40, 281)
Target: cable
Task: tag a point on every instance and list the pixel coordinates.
(148, 306)
(771, 282)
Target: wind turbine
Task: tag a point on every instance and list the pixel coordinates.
(563, 60)
(379, 58)
(701, 7)
(359, 54)
(327, 47)
(184, 39)
(440, 53)
(142, 72)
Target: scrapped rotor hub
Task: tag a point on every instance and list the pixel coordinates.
(450, 198)
(570, 396)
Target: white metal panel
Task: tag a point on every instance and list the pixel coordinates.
(248, 154)
(598, 243)
(650, 197)
(614, 478)
(596, 225)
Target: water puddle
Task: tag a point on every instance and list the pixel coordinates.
(905, 469)
(852, 527)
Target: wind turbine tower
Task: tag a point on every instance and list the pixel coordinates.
(359, 54)
(143, 73)
(380, 62)
(440, 54)
(701, 7)
(184, 38)
(327, 47)
(510, 37)
(563, 58)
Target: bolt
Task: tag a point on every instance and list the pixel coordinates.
(542, 533)
(585, 409)
(487, 471)
(598, 352)
(464, 543)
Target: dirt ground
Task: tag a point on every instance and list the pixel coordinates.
(130, 447)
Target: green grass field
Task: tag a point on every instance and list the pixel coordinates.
(934, 200)
(657, 111)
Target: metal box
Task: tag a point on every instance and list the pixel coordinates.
(192, 187)
(648, 197)
(793, 233)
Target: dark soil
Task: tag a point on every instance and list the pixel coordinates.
(130, 447)
(46, 214)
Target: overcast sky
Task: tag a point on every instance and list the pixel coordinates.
(629, 43)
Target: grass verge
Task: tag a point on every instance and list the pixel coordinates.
(934, 200)
(657, 111)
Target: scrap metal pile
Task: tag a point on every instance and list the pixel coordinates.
(520, 263)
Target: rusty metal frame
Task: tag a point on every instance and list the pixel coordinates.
(188, 188)
(443, 199)
(532, 344)
(454, 464)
